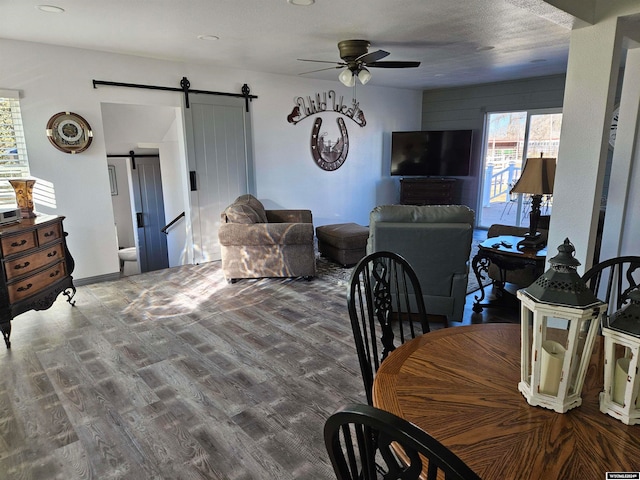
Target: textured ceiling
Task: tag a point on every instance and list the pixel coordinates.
(450, 37)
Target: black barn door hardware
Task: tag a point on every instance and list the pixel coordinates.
(184, 87)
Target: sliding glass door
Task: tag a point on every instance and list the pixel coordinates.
(509, 138)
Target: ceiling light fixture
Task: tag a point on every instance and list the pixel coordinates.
(302, 3)
(347, 78)
(50, 8)
(208, 37)
(364, 76)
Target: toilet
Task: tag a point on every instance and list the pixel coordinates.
(129, 259)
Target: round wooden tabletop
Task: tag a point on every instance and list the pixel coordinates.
(460, 384)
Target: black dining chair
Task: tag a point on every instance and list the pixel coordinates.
(612, 280)
(385, 302)
(361, 440)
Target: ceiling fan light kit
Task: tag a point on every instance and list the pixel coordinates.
(364, 76)
(357, 60)
(347, 78)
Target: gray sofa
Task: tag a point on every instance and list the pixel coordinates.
(436, 241)
(257, 243)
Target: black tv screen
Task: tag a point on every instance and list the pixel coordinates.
(443, 153)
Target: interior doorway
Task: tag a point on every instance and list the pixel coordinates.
(151, 132)
(510, 138)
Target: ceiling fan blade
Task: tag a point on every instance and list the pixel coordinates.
(372, 57)
(394, 64)
(322, 69)
(321, 61)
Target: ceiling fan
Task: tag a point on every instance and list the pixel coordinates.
(356, 57)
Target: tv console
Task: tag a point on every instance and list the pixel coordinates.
(426, 191)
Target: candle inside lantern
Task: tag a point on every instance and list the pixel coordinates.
(620, 381)
(551, 367)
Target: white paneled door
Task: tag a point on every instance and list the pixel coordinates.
(218, 137)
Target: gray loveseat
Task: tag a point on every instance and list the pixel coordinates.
(257, 243)
(436, 241)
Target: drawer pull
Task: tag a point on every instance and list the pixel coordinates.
(52, 254)
(16, 244)
(49, 234)
(24, 265)
(54, 274)
(24, 289)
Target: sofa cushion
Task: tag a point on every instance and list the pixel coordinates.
(266, 234)
(422, 214)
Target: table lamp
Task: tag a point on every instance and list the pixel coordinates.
(536, 179)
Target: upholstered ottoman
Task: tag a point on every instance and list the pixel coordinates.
(344, 243)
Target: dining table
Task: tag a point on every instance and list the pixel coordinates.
(460, 384)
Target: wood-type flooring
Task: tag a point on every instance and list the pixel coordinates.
(176, 374)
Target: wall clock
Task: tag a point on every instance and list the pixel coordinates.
(614, 126)
(69, 132)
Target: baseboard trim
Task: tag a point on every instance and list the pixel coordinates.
(109, 277)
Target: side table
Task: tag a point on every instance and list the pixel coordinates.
(503, 252)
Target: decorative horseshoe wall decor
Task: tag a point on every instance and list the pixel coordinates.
(329, 155)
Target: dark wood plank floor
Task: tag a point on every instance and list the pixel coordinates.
(178, 375)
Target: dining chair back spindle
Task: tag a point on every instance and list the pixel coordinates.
(385, 302)
(362, 439)
(612, 280)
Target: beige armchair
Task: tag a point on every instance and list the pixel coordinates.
(257, 243)
(436, 241)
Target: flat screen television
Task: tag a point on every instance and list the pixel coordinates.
(442, 153)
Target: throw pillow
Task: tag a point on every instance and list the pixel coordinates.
(254, 204)
(239, 213)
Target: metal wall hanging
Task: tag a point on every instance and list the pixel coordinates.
(327, 154)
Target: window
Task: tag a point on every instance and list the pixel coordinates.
(13, 150)
(510, 137)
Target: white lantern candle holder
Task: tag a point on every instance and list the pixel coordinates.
(560, 317)
(621, 353)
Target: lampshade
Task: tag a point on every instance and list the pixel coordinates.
(537, 177)
(347, 78)
(364, 76)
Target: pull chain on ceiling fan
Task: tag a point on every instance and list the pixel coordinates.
(357, 60)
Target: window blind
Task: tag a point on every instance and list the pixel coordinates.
(13, 150)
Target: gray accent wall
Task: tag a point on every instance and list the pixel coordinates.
(465, 108)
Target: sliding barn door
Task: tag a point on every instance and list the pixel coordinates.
(220, 164)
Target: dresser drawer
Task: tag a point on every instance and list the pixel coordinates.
(49, 233)
(18, 243)
(30, 262)
(32, 285)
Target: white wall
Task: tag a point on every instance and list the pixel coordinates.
(285, 173)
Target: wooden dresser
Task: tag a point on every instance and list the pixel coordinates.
(427, 191)
(36, 268)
